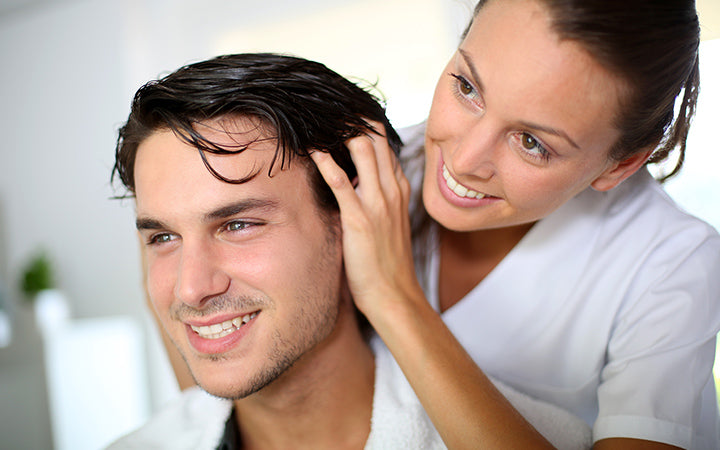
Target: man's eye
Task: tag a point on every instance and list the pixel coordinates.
(238, 225)
(160, 238)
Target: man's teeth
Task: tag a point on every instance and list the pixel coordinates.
(457, 188)
(218, 330)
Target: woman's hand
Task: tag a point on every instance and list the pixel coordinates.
(375, 223)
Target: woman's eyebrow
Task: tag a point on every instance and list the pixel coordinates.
(550, 130)
(473, 71)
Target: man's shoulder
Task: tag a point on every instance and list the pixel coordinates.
(195, 420)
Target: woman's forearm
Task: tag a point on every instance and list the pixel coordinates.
(464, 405)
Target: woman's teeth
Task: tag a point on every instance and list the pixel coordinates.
(218, 330)
(457, 188)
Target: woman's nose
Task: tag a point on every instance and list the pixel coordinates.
(476, 150)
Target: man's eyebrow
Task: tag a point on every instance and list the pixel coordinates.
(534, 126)
(473, 71)
(145, 223)
(239, 207)
(148, 223)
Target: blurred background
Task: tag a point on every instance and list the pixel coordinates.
(84, 365)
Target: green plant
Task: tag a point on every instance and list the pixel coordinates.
(37, 276)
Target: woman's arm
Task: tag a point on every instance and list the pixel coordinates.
(464, 405)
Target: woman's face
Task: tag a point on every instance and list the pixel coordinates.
(520, 123)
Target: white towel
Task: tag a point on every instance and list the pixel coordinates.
(196, 420)
(563, 429)
(400, 422)
(193, 421)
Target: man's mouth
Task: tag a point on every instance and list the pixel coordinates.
(459, 189)
(219, 330)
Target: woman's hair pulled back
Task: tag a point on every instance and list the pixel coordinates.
(653, 46)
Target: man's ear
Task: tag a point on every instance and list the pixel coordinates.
(617, 172)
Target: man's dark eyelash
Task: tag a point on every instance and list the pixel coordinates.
(243, 223)
(153, 239)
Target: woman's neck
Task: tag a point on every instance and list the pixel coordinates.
(466, 258)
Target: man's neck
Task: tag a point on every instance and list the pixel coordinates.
(323, 401)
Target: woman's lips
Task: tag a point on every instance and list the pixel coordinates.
(457, 188)
(457, 194)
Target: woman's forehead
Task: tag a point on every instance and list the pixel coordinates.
(529, 75)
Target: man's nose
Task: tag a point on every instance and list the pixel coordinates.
(200, 274)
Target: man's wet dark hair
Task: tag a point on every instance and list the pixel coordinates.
(302, 104)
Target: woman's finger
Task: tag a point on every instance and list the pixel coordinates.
(387, 161)
(362, 152)
(337, 179)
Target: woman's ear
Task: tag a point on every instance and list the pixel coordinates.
(617, 172)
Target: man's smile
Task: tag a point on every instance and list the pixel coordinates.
(218, 330)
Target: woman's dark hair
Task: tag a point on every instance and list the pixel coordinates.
(302, 104)
(653, 46)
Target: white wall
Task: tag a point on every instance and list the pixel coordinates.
(60, 103)
(69, 69)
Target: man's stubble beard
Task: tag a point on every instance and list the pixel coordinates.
(316, 325)
(281, 357)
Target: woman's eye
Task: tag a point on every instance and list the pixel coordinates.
(464, 89)
(528, 141)
(533, 147)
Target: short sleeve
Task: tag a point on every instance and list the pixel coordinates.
(662, 347)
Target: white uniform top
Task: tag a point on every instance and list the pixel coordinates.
(609, 307)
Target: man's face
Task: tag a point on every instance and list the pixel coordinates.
(245, 278)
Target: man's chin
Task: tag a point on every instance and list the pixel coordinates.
(234, 386)
(227, 391)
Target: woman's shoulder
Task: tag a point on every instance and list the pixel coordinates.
(641, 210)
(634, 232)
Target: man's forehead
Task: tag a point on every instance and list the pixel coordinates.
(245, 135)
(171, 176)
(236, 147)
(235, 130)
